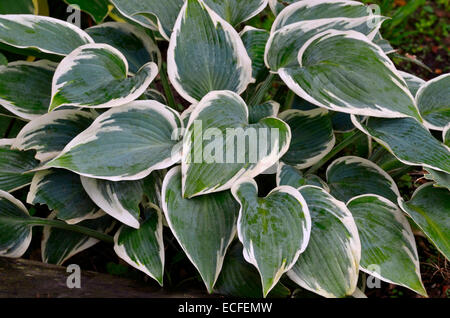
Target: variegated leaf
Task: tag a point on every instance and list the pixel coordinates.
(388, 248)
(124, 143)
(96, 76)
(442, 179)
(330, 264)
(236, 11)
(203, 226)
(414, 83)
(274, 230)
(259, 112)
(97, 9)
(206, 54)
(255, 41)
(290, 176)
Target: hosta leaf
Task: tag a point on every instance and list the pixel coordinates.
(255, 41)
(97, 9)
(155, 14)
(15, 232)
(259, 112)
(319, 9)
(351, 176)
(290, 176)
(96, 75)
(62, 192)
(14, 165)
(277, 5)
(414, 83)
(329, 265)
(429, 208)
(375, 89)
(274, 230)
(342, 122)
(312, 136)
(143, 248)
(240, 279)
(59, 245)
(384, 45)
(206, 54)
(433, 100)
(442, 179)
(44, 34)
(124, 143)
(137, 47)
(284, 44)
(25, 87)
(3, 60)
(50, 133)
(236, 11)
(121, 199)
(153, 94)
(407, 140)
(215, 151)
(388, 248)
(17, 7)
(204, 226)
(446, 135)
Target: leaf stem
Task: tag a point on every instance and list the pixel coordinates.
(337, 149)
(167, 89)
(262, 90)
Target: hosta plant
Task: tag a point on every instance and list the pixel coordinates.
(176, 114)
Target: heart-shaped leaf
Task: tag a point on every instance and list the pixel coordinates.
(97, 9)
(14, 166)
(274, 230)
(204, 226)
(50, 133)
(44, 34)
(312, 136)
(330, 264)
(124, 143)
(351, 176)
(206, 54)
(143, 248)
(255, 41)
(215, 151)
(96, 75)
(155, 14)
(388, 248)
(326, 63)
(290, 176)
(137, 47)
(59, 245)
(408, 141)
(429, 208)
(433, 100)
(61, 191)
(121, 199)
(26, 87)
(15, 232)
(236, 11)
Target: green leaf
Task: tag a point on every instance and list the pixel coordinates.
(97, 9)
(59, 245)
(388, 248)
(236, 11)
(153, 94)
(133, 42)
(407, 140)
(50, 133)
(351, 176)
(277, 5)
(26, 87)
(240, 279)
(206, 54)
(96, 76)
(62, 192)
(124, 143)
(433, 100)
(3, 60)
(255, 41)
(274, 230)
(429, 208)
(17, 7)
(384, 45)
(143, 248)
(44, 34)
(312, 136)
(203, 226)
(154, 14)
(342, 122)
(446, 135)
(14, 166)
(414, 83)
(330, 264)
(15, 232)
(290, 176)
(121, 199)
(215, 151)
(442, 179)
(259, 112)
(327, 62)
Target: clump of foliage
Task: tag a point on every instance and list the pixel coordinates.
(116, 157)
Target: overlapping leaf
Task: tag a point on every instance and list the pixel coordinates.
(290, 176)
(442, 179)
(414, 83)
(236, 11)
(255, 41)
(97, 9)
(259, 112)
